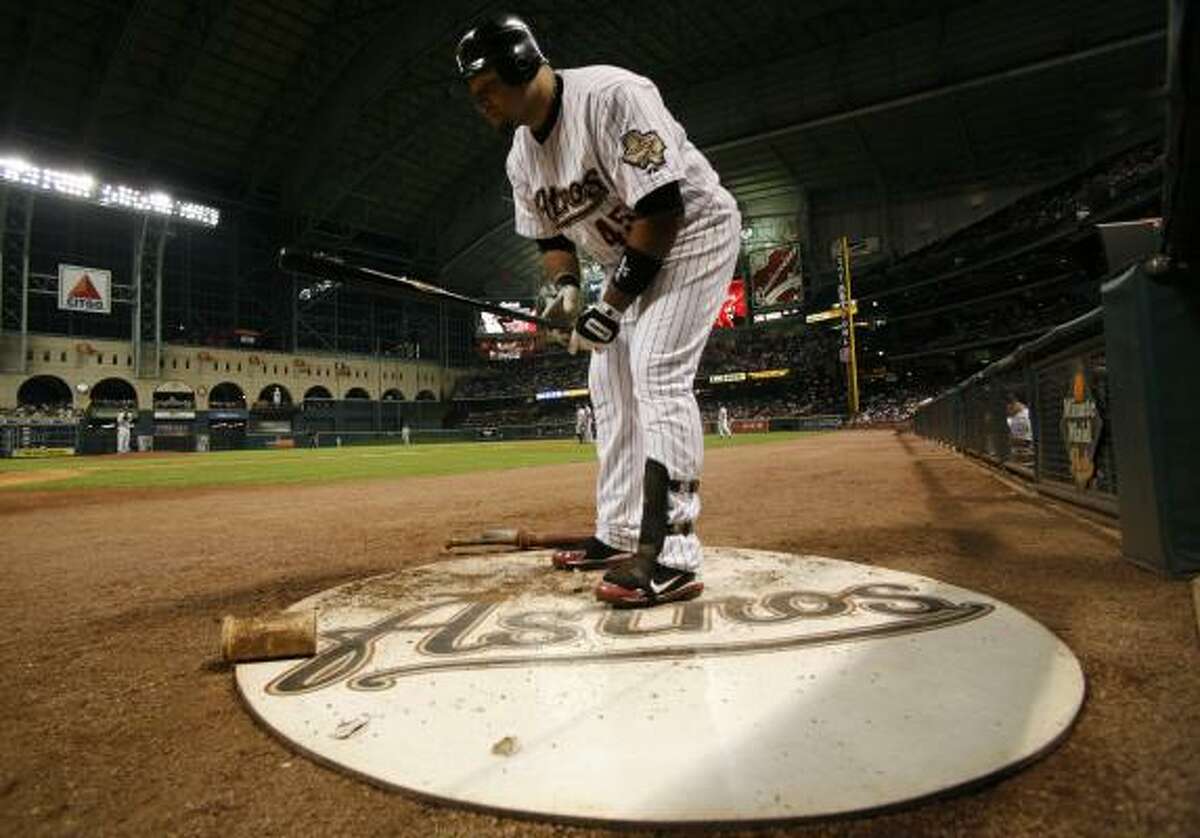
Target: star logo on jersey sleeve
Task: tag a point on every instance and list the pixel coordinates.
(643, 150)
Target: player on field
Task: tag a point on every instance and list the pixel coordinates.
(598, 162)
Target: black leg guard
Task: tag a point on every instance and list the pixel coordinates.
(653, 533)
(642, 581)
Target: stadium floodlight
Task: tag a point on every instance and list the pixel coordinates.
(19, 172)
(198, 212)
(160, 202)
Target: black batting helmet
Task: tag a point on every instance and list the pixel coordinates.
(503, 43)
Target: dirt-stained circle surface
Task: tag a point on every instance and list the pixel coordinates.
(796, 687)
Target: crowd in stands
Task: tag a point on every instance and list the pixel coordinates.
(893, 405)
(1033, 241)
(751, 406)
(525, 377)
(521, 415)
(541, 414)
(999, 322)
(1067, 205)
(1088, 194)
(809, 350)
(886, 402)
(41, 413)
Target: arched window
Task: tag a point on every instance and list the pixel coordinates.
(45, 391)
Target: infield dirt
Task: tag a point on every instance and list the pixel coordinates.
(118, 717)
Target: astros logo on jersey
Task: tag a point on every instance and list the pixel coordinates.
(565, 204)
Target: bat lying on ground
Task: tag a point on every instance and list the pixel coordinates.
(521, 539)
(290, 634)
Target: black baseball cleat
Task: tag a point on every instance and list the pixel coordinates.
(594, 555)
(642, 581)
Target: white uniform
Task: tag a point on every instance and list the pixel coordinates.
(124, 427)
(615, 142)
(1020, 426)
(581, 423)
(723, 428)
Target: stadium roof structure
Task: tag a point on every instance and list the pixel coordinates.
(344, 120)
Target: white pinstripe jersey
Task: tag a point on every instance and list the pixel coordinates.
(614, 143)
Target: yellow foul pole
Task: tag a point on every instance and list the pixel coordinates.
(848, 309)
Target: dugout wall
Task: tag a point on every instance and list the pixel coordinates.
(1061, 379)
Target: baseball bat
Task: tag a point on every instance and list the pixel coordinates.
(337, 269)
(522, 539)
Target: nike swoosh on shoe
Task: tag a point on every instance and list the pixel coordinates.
(658, 589)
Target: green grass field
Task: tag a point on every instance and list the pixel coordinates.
(299, 466)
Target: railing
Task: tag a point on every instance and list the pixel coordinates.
(1062, 380)
(34, 437)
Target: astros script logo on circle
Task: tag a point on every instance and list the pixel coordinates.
(797, 686)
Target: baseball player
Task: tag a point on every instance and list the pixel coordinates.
(723, 428)
(596, 161)
(581, 422)
(1018, 420)
(124, 427)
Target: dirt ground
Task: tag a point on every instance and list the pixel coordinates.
(11, 479)
(118, 719)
